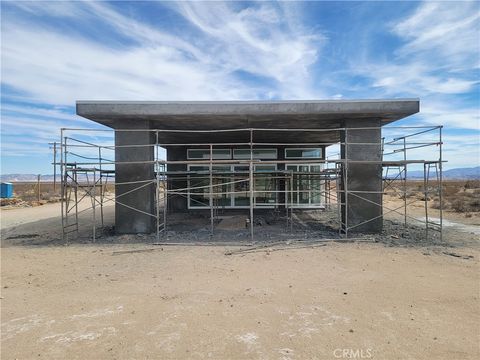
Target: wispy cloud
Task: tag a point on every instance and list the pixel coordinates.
(452, 115)
(450, 31)
(54, 53)
(158, 65)
(438, 54)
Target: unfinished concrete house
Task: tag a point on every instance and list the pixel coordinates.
(240, 157)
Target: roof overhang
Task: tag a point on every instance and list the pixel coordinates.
(224, 115)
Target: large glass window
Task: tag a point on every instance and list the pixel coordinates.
(200, 154)
(200, 186)
(303, 153)
(241, 185)
(232, 186)
(257, 153)
(307, 185)
(265, 185)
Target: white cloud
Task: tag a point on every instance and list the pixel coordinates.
(437, 61)
(448, 30)
(439, 52)
(162, 66)
(415, 78)
(451, 115)
(54, 113)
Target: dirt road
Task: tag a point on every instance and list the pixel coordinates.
(19, 216)
(85, 302)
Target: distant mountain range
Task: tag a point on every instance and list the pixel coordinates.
(25, 178)
(32, 178)
(452, 174)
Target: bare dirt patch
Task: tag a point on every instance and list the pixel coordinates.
(124, 298)
(186, 302)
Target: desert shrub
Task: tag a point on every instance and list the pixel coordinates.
(472, 184)
(436, 204)
(474, 204)
(450, 190)
(459, 205)
(466, 204)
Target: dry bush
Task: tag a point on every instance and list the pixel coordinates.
(26, 193)
(467, 195)
(450, 189)
(436, 204)
(457, 195)
(472, 184)
(466, 203)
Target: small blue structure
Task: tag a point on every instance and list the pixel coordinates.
(6, 190)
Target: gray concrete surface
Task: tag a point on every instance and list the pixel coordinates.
(226, 115)
(128, 220)
(389, 109)
(361, 207)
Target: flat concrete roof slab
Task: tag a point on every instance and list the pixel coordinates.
(223, 115)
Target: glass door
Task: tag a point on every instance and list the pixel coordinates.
(265, 186)
(228, 179)
(199, 184)
(307, 185)
(241, 186)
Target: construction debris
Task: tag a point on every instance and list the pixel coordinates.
(465, 257)
(135, 251)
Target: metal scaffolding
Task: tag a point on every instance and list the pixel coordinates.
(87, 168)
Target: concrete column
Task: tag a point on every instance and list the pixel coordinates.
(128, 220)
(363, 176)
(281, 182)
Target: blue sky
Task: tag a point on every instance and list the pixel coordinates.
(54, 53)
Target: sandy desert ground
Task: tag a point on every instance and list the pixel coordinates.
(100, 301)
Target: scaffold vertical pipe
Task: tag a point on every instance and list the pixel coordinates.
(66, 184)
(251, 183)
(157, 188)
(425, 191)
(62, 188)
(211, 189)
(440, 192)
(75, 177)
(339, 199)
(55, 167)
(165, 198)
(93, 203)
(101, 183)
(345, 182)
(405, 182)
(325, 193)
(291, 200)
(286, 201)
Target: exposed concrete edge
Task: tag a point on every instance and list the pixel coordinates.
(93, 109)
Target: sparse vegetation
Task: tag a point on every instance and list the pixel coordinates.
(457, 196)
(26, 194)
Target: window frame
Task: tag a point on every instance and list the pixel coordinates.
(224, 157)
(255, 157)
(296, 204)
(310, 157)
(232, 195)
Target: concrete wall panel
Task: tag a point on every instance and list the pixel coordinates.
(128, 220)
